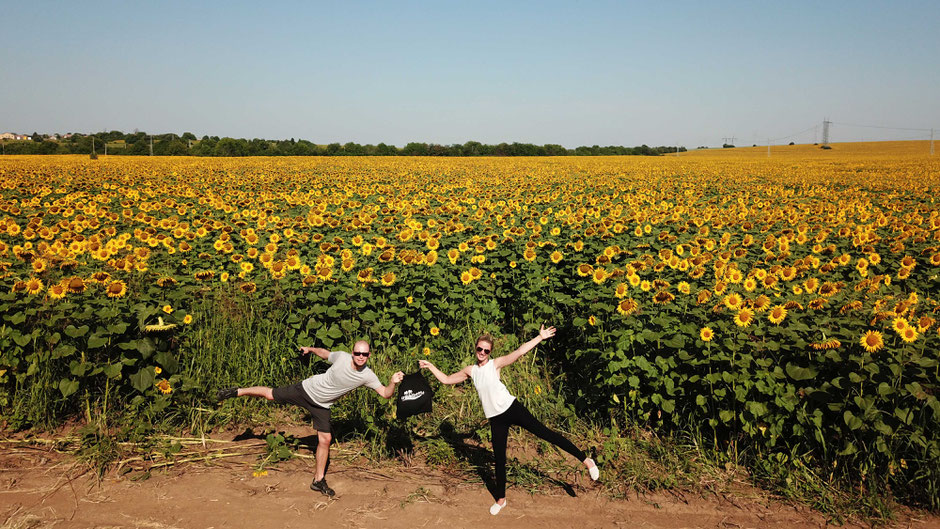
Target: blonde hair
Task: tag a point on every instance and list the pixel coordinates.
(485, 337)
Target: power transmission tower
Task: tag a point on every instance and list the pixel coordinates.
(826, 124)
(728, 141)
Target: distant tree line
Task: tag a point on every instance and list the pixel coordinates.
(141, 143)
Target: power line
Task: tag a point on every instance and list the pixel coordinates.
(879, 127)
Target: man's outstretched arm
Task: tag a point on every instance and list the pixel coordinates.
(319, 351)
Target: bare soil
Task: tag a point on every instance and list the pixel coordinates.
(40, 488)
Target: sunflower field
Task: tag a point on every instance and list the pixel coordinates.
(783, 306)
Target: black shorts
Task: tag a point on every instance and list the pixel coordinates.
(296, 395)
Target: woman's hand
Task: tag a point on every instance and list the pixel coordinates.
(424, 364)
(546, 333)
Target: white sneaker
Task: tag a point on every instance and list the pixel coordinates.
(594, 471)
(496, 507)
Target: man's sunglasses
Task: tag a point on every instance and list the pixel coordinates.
(360, 353)
(482, 350)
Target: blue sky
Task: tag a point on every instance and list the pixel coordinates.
(574, 73)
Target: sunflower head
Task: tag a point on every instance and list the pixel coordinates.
(706, 334)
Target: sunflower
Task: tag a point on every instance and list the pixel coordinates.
(57, 291)
(388, 279)
(556, 256)
(466, 278)
(720, 287)
(645, 285)
(817, 303)
(435, 331)
(248, 287)
(924, 323)
(187, 319)
(899, 324)
(761, 303)
(703, 296)
(75, 285)
(365, 275)
(634, 280)
(627, 307)
(116, 289)
(663, 297)
(585, 269)
(164, 386)
(750, 284)
(529, 254)
(810, 285)
(872, 341)
(706, 334)
(777, 314)
(733, 301)
(32, 286)
(621, 290)
(160, 326)
(684, 287)
(744, 317)
(39, 265)
(204, 275)
(829, 289)
(909, 334)
(599, 276)
(592, 320)
(99, 277)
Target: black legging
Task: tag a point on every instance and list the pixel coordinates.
(518, 414)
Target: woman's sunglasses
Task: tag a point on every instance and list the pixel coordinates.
(482, 350)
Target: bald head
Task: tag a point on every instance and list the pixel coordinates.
(361, 346)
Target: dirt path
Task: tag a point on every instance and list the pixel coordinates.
(41, 489)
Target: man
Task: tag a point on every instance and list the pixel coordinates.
(317, 393)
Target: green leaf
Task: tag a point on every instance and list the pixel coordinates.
(113, 370)
(851, 420)
(97, 341)
(68, 386)
(78, 368)
(76, 332)
(800, 373)
(146, 347)
(21, 339)
(143, 379)
(725, 415)
(62, 350)
(117, 328)
(167, 360)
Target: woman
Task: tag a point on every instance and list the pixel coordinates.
(502, 409)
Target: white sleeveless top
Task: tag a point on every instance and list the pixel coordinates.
(493, 394)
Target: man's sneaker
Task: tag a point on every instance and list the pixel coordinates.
(322, 487)
(226, 393)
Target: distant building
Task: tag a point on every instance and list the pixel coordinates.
(7, 136)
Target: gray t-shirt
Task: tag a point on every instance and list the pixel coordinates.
(341, 378)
